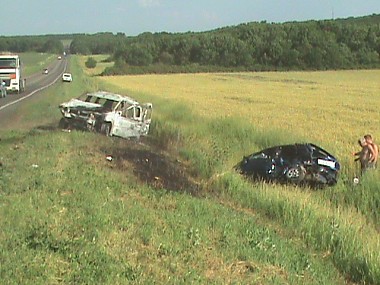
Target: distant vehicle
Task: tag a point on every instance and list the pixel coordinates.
(45, 71)
(296, 163)
(59, 57)
(10, 72)
(66, 77)
(3, 89)
(108, 113)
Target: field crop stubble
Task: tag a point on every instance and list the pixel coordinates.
(328, 108)
(100, 229)
(331, 108)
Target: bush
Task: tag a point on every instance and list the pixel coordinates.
(91, 62)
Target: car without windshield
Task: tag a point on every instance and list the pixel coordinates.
(108, 113)
(303, 163)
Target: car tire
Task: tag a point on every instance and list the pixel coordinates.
(63, 123)
(106, 129)
(90, 127)
(295, 174)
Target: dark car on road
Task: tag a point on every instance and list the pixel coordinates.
(303, 163)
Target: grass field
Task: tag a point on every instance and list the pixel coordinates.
(69, 216)
(35, 62)
(332, 109)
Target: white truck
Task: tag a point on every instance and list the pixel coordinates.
(10, 72)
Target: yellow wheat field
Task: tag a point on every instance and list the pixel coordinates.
(329, 107)
(339, 104)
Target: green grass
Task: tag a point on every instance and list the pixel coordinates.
(35, 62)
(68, 216)
(71, 219)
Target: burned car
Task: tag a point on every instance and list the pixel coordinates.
(109, 113)
(303, 163)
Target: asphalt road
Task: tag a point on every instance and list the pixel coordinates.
(34, 84)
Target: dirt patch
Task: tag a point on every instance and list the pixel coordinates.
(152, 166)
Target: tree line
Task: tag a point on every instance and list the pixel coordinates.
(311, 45)
(19, 44)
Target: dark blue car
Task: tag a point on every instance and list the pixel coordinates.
(303, 163)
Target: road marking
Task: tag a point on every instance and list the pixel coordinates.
(34, 92)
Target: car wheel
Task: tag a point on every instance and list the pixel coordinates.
(295, 173)
(90, 127)
(106, 129)
(63, 124)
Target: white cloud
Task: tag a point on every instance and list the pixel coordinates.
(149, 3)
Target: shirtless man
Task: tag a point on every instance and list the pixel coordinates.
(373, 151)
(363, 155)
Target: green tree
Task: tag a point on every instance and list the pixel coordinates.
(139, 56)
(91, 62)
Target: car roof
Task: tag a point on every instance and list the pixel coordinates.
(112, 96)
(295, 148)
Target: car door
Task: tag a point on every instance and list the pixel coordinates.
(146, 118)
(132, 121)
(125, 124)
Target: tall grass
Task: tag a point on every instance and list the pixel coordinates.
(72, 219)
(346, 229)
(69, 216)
(35, 62)
(280, 108)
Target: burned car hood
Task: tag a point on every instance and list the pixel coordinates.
(79, 104)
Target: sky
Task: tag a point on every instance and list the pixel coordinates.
(133, 17)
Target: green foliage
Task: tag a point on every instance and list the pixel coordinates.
(138, 55)
(311, 45)
(68, 216)
(91, 62)
(100, 43)
(325, 44)
(33, 62)
(22, 44)
(323, 228)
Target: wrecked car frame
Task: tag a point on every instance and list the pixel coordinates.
(300, 163)
(108, 113)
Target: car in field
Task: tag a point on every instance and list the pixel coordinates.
(300, 163)
(108, 113)
(67, 77)
(45, 71)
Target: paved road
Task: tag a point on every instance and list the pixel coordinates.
(10, 105)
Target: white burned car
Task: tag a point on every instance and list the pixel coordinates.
(109, 113)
